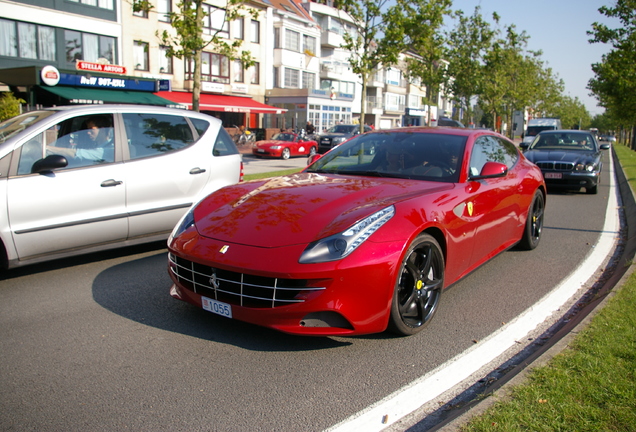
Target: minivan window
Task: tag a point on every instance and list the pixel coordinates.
(155, 134)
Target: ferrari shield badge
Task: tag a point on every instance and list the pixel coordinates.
(224, 249)
(469, 208)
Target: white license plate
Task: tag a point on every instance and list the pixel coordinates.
(261, 151)
(553, 175)
(216, 307)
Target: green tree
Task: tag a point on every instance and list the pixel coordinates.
(467, 45)
(9, 106)
(614, 83)
(374, 43)
(188, 41)
(420, 23)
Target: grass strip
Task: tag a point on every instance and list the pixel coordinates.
(258, 176)
(591, 385)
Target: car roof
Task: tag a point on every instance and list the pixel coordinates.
(442, 130)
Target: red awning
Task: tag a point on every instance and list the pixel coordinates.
(210, 102)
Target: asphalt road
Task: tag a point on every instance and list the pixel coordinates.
(97, 344)
(254, 165)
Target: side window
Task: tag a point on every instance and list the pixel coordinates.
(82, 140)
(156, 134)
(30, 152)
(200, 125)
(224, 145)
(492, 149)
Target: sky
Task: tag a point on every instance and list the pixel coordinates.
(558, 28)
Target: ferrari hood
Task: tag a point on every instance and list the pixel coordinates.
(299, 208)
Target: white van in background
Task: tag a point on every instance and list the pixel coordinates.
(540, 124)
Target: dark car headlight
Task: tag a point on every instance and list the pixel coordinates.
(338, 140)
(590, 167)
(186, 222)
(340, 245)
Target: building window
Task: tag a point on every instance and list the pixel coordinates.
(255, 34)
(239, 29)
(292, 40)
(214, 68)
(141, 14)
(88, 47)
(275, 77)
(18, 39)
(309, 44)
(165, 62)
(140, 55)
(164, 7)
(309, 80)
(255, 73)
(102, 4)
(214, 22)
(238, 73)
(291, 78)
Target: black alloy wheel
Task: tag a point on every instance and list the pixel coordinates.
(418, 288)
(534, 223)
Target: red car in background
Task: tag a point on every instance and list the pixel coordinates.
(357, 242)
(285, 145)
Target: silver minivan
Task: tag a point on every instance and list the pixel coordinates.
(79, 179)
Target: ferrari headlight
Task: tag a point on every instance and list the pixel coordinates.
(186, 222)
(342, 244)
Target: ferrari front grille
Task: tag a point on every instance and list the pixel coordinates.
(238, 288)
(558, 166)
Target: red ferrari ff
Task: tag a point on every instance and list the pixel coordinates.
(285, 145)
(359, 242)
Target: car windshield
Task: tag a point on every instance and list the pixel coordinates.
(283, 137)
(347, 129)
(412, 155)
(572, 141)
(14, 125)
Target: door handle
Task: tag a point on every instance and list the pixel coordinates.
(197, 170)
(111, 182)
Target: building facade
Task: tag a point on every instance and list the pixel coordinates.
(56, 52)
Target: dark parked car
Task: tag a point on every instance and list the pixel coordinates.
(569, 159)
(445, 121)
(336, 135)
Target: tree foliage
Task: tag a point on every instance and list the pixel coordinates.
(9, 106)
(188, 40)
(375, 41)
(614, 83)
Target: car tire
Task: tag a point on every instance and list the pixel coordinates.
(534, 223)
(592, 190)
(312, 151)
(286, 153)
(418, 287)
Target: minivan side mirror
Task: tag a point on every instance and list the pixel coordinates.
(48, 164)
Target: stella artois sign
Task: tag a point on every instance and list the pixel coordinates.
(100, 67)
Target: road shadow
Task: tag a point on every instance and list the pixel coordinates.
(138, 290)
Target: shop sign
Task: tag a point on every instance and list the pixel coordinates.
(212, 87)
(107, 82)
(99, 67)
(50, 75)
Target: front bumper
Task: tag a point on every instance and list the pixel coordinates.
(346, 297)
(571, 180)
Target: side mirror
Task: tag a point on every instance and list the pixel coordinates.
(524, 145)
(492, 170)
(48, 164)
(313, 158)
(605, 146)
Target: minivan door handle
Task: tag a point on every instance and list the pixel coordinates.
(110, 183)
(197, 170)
